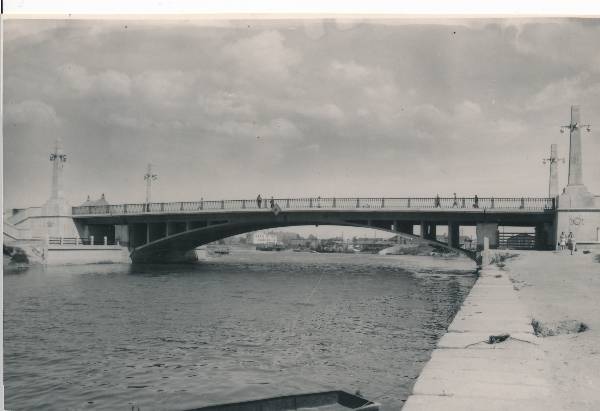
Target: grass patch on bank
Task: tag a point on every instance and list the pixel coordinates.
(550, 329)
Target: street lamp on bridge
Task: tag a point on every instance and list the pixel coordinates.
(149, 177)
(553, 161)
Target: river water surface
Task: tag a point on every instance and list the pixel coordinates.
(247, 325)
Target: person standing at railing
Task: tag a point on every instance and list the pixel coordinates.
(275, 207)
(437, 201)
(259, 201)
(455, 202)
(476, 202)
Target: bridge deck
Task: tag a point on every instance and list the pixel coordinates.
(417, 204)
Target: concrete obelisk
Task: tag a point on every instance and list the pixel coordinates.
(575, 193)
(578, 211)
(56, 211)
(575, 165)
(56, 204)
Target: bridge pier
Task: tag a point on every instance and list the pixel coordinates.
(489, 230)
(122, 234)
(453, 235)
(406, 228)
(428, 230)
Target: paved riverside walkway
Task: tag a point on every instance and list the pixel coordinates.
(468, 374)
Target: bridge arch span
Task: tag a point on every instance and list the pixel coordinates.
(180, 246)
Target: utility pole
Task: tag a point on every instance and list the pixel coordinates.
(553, 161)
(149, 177)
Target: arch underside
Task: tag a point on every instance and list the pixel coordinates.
(180, 246)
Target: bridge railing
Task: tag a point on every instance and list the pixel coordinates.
(442, 203)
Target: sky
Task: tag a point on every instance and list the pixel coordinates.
(296, 108)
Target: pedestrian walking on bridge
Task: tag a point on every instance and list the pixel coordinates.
(476, 202)
(437, 201)
(259, 201)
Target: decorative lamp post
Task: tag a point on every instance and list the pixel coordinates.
(149, 177)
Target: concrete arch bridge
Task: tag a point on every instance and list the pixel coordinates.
(169, 232)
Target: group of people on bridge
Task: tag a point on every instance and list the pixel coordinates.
(274, 206)
(438, 202)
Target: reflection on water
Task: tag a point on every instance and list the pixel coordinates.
(242, 326)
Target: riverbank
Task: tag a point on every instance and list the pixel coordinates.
(560, 289)
(524, 372)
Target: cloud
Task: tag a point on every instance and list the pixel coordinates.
(350, 70)
(225, 103)
(262, 57)
(377, 105)
(107, 83)
(30, 112)
(566, 91)
(278, 129)
(165, 87)
(468, 110)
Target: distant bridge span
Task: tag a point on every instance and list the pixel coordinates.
(160, 232)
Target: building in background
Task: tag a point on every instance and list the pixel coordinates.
(264, 238)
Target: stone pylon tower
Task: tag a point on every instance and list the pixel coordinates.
(575, 163)
(575, 193)
(57, 204)
(553, 160)
(578, 211)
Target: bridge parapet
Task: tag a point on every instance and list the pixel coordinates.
(346, 203)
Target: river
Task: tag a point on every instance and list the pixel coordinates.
(246, 325)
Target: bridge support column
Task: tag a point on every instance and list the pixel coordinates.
(454, 235)
(489, 230)
(406, 228)
(122, 234)
(428, 230)
(147, 233)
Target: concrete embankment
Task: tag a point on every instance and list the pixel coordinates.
(557, 371)
(467, 372)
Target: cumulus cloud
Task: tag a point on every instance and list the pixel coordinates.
(164, 87)
(107, 83)
(278, 129)
(565, 91)
(30, 112)
(350, 70)
(360, 100)
(263, 56)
